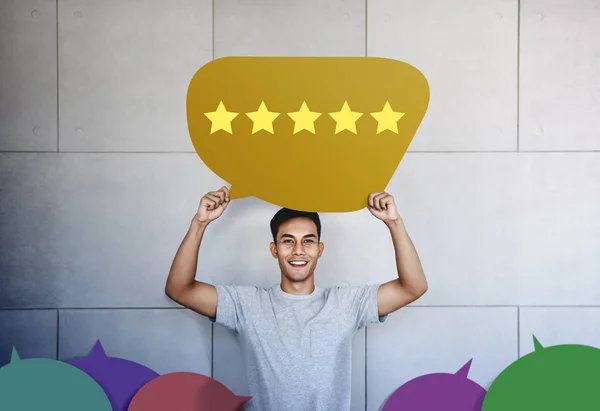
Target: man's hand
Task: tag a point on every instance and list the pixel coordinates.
(382, 206)
(212, 205)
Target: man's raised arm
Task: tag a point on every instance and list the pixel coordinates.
(182, 286)
(411, 283)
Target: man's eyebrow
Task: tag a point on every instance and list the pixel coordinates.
(291, 236)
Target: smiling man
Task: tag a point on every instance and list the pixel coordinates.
(296, 337)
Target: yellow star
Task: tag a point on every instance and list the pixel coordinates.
(387, 119)
(304, 119)
(262, 119)
(221, 119)
(345, 119)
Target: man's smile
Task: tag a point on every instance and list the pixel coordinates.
(298, 263)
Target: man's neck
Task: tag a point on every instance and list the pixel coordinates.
(298, 288)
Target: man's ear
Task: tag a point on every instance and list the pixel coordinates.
(321, 248)
(273, 248)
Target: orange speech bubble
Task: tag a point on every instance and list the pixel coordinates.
(307, 133)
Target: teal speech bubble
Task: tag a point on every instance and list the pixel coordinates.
(46, 384)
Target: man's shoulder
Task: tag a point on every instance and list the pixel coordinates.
(349, 292)
(247, 291)
(347, 288)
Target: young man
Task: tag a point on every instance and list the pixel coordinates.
(296, 337)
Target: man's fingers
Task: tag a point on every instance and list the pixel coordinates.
(371, 196)
(209, 203)
(374, 199)
(383, 201)
(214, 199)
(225, 192)
(379, 200)
(219, 195)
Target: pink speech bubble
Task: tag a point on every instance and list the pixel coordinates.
(186, 391)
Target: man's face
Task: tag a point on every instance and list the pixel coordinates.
(297, 249)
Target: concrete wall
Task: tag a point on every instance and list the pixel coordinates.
(499, 189)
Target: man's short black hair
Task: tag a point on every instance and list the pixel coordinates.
(286, 214)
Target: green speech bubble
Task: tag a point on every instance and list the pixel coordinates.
(557, 378)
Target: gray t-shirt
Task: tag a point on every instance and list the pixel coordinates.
(297, 348)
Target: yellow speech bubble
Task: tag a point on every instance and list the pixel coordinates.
(307, 133)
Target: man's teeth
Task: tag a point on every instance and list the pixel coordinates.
(298, 262)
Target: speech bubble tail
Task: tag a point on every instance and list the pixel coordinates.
(236, 192)
(241, 400)
(97, 350)
(464, 371)
(536, 344)
(14, 356)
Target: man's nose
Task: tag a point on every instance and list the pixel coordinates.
(298, 249)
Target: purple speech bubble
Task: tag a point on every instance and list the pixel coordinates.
(441, 391)
(119, 378)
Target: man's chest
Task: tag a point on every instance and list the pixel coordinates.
(301, 331)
